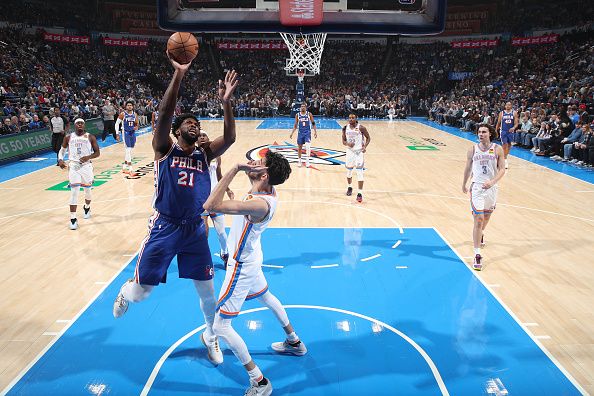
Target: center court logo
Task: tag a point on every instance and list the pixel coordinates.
(319, 156)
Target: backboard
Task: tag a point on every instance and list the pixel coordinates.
(408, 17)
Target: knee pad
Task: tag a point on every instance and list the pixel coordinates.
(360, 174)
(349, 173)
(74, 195)
(88, 193)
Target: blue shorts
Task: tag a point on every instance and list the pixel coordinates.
(169, 237)
(303, 138)
(130, 139)
(507, 137)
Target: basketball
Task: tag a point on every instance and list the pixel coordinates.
(182, 47)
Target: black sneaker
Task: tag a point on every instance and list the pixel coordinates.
(359, 198)
(349, 191)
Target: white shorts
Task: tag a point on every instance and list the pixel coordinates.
(80, 175)
(354, 159)
(243, 281)
(482, 201)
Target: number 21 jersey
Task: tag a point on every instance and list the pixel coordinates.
(182, 183)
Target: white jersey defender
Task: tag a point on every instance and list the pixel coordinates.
(354, 155)
(484, 168)
(80, 174)
(244, 279)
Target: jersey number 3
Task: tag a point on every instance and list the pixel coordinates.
(184, 180)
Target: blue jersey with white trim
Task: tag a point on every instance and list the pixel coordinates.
(507, 121)
(182, 183)
(129, 122)
(304, 123)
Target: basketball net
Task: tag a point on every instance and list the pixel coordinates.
(305, 51)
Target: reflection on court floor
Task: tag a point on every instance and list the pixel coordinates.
(382, 312)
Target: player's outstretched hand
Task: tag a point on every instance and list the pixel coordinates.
(62, 164)
(178, 66)
(464, 189)
(227, 86)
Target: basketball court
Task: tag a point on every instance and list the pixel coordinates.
(381, 291)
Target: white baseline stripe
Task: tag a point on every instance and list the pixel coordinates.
(272, 266)
(324, 266)
(371, 257)
(530, 324)
(22, 373)
(430, 363)
(513, 315)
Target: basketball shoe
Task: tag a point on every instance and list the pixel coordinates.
(297, 349)
(359, 197)
(120, 305)
(477, 265)
(214, 351)
(73, 224)
(87, 212)
(259, 390)
(349, 191)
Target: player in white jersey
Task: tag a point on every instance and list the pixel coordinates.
(218, 219)
(244, 279)
(356, 137)
(486, 163)
(82, 147)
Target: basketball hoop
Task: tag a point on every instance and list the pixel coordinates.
(305, 51)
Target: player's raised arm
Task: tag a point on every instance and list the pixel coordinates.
(219, 145)
(257, 209)
(161, 139)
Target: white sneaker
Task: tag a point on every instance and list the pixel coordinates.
(120, 305)
(214, 351)
(533, 149)
(87, 213)
(299, 164)
(259, 390)
(73, 224)
(285, 347)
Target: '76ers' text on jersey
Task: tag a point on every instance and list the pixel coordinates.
(182, 183)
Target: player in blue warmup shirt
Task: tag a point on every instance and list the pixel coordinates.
(129, 121)
(304, 119)
(182, 185)
(507, 123)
